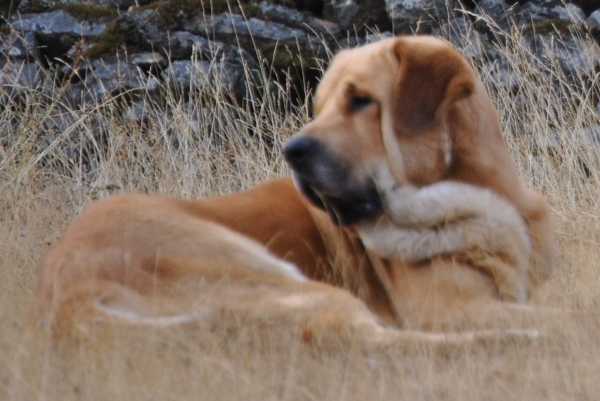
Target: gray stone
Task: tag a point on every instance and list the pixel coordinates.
(493, 15)
(68, 143)
(57, 31)
(188, 75)
(500, 74)
(136, 112)
(559, 141)
(498, 15)
(265, 37)
(534, 12)
(18, 79)
(219, 51)
(179, 74)
(418, 16)
(28, 6)
(148, 60)
(110, 78)
(463, 35)
(152, 84)
(184, 45)
(593, 21)
(145, 30)
(574, 56)
(228, 26)
(296, 19)
(55, 23)
(21, 46)
(570, 13)
(77, 50)
(76, 95)
(357, 15)
(20, 76)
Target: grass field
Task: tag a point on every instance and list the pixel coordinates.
(191, 153)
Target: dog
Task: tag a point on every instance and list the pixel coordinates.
(404, 210)
(433, 122)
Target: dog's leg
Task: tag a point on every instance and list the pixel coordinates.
(450, 218)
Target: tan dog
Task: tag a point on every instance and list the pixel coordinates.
(410, 113)
(404, 133)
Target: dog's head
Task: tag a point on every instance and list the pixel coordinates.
(386, 115)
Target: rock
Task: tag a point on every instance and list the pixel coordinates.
(461, 34)
(28, 6)
(143, 29)
(541, 16)
(358, 15)
(136, 112)
(188, 75)
(593, 24)
(572, 144)
(175, 43)
(296, 19)
(184, 45)
(18, 78)
(570, 13)
(418, 16)
(574, 56)
(500, 74)
(228, 26)
(534, 13)
(57, 31)
(57, 25)
(275, 42)
(138, 31)
(179, 74)
(111, 78)
(71, 144)
(587, 5)
(493, 15)
(593, 21)
(558, 57)
(181, 45)
(76, 95)
(22, 47)
(37, 6)
(98, 82)
(148, 61)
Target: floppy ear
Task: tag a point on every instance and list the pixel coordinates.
(430, 79)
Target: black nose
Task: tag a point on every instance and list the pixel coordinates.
(297, 150)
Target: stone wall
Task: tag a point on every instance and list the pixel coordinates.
(159, 36)
(95, 48)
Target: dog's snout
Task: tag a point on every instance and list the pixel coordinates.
(297, 150)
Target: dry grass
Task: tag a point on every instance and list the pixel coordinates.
(191, 153)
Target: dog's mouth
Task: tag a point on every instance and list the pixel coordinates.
(343, 209)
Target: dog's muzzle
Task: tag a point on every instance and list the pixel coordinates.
(326, 182)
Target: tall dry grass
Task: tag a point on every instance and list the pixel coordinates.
(210, 145)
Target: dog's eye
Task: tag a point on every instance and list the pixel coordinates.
(359, 102)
